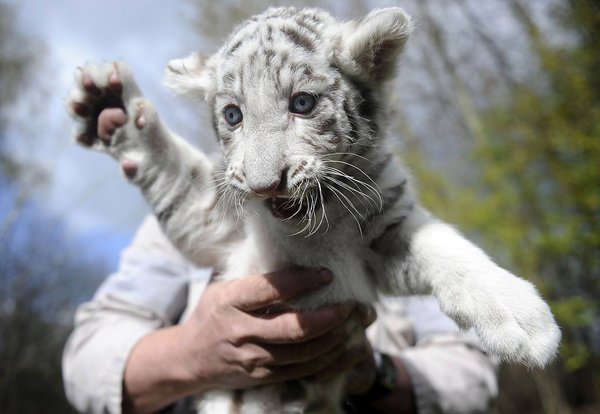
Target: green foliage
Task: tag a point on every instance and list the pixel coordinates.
(575, 355)
(536, 203)
(575, 312)
(542, 156)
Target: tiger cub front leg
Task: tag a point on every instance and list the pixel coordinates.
(506, 312)
(114, 117)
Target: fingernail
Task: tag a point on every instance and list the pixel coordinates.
(366, 313)
(325, 276)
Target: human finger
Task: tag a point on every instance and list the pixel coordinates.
(361, 376)
(286, 354)
(280, 373)
(346, 360)
(366, 314)
(299, 326)
(259, 291)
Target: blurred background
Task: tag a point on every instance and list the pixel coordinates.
(496, 110)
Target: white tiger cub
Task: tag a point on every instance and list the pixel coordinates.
(296, 99)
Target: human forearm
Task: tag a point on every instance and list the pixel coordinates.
(106, 331)
(155, 376)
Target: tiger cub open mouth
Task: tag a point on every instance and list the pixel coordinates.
(286, 208)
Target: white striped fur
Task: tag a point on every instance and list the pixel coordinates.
(356, 213)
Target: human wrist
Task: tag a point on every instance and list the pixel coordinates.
(390, 392)
(381, 382)
(183, 369)
(156, 374)
(402, 398)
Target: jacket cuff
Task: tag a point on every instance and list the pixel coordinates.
(426, 398)
(451, 374)
(115, 370)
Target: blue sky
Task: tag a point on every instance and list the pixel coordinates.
(86, 187)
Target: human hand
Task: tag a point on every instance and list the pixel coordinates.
(230, 342)
(362, 372)
(358, 361)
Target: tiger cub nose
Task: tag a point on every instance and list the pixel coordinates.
(270, 190)
(275, 187)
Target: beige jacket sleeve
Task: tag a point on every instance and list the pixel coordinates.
(148, 291)
(449, 370)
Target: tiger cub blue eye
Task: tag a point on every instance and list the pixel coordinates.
(233, 115)
(302, 103)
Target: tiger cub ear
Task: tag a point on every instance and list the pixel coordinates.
(370, 46)
(192, 75)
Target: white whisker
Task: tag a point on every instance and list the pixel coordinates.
(374, 188)
(355, 191)
(335, 193)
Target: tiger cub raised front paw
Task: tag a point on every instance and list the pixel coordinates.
(115, 118)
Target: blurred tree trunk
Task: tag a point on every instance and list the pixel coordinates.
(20, 56)
(488, 43)
(465, 104)
(550, 391)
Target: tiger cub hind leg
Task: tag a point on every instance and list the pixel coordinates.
(291, 397)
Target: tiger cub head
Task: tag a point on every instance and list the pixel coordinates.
(295, 97)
